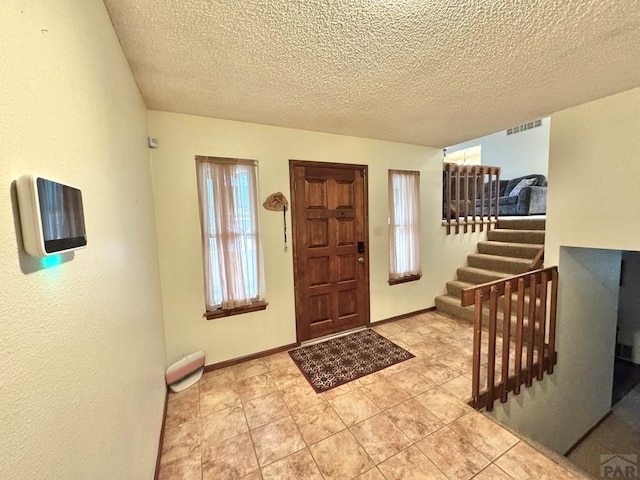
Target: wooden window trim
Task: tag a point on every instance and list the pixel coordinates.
(410, 278)
(213, 314)
(229, 161)
(415, 173)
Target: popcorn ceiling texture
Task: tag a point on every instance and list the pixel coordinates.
(425, 72)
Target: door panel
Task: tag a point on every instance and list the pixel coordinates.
(329, 212)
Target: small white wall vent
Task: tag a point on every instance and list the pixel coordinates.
(524, 126)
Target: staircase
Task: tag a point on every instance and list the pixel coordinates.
(508, 250)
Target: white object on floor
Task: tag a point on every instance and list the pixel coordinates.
(186, 371)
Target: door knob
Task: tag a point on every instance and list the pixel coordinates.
(361, 259)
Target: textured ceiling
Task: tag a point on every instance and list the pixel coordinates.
(429, 72)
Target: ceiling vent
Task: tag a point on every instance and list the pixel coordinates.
(524, 126)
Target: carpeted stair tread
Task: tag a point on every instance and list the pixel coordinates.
(479, 275)
(455, 287)
(507, 249)
(516, 236)
(511, 265)
(451, 304)
(531, 223)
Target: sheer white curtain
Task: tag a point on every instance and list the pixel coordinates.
(228, 193)
(404, 224)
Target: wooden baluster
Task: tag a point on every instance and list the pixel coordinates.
(531, 329)
(466, 199)
(491, 364)
(530, 366)
(477, 345)
(552, 318)
(460, 192)
(457, 167)
(447, 196)
(482, 170)
(475, 195)
(519, 325)
(538, 260)
(497, 194)
(542, 315)
(490, 184)
(506, 340)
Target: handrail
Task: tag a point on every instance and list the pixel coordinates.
(463, 189)
(468, 294)
(535, 332)
(538, 260)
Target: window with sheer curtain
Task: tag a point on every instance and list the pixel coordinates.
(229, 217)
(404, 226)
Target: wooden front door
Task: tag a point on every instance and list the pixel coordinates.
(330, 247)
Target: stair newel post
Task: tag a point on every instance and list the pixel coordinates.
(506, 339)
(519, 327)
(552, 319)
(531, 328)
(491, 364)
(477, 343)
(542, 315)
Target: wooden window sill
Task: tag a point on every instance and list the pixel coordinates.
(412, 278)
(213, 314)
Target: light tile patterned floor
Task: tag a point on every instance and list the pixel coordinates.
(261, 420)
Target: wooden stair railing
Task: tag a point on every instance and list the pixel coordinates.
(463, 185)
(538, 260)
(533, 346)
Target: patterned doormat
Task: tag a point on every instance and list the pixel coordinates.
(337, 361)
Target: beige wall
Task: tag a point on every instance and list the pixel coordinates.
(594, 176)
(593, 197)
(519, 154)
(182, 137)
(82, 388)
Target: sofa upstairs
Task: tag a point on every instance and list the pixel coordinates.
(474, 195)
(526, 195)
